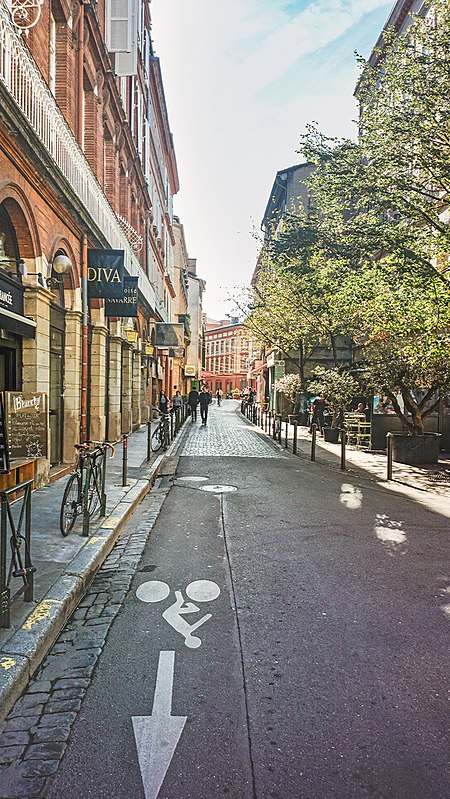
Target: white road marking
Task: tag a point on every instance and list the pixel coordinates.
(157, 735)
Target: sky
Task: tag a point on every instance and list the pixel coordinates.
(242, 79)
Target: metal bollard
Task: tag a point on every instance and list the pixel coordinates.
(313, 441)
(294, 440)
(172, 425)
(274, 427)
(286, 433)
(279, 429)
(389, 456)
(343, 443)
(149, 440)
(269, 423)
(125, 460)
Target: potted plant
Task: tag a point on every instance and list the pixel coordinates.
(289, 386)
(338, 387)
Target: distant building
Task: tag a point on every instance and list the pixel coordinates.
(229, 353)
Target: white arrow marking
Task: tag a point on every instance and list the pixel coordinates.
(157, 735)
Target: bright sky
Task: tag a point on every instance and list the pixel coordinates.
(242, 78)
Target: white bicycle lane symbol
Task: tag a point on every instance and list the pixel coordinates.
(200, 591)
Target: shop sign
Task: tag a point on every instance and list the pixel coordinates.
(4, 452)
(11, 297)
(126, 305)
(105, 277)
(189, 371)
(27, 424)
(169, 335)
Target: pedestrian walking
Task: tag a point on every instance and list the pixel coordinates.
(318, 409)
(163, 402)
(205, 400)
(219, 396)
(177, 404)
(193, 400)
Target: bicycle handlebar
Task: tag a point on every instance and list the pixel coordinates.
(86, 446)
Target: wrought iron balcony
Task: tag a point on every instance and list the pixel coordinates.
(23, 81)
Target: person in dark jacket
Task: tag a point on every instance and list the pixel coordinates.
(193, 399)
(163, 402)
(205, 400)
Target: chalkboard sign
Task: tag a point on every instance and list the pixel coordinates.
(27, 424)
(4, 453)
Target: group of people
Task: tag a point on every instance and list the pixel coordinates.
(320, 409)
(202, 398)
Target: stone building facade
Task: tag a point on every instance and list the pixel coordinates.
(86, 162)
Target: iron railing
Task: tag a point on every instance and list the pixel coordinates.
(15, 561)
(24, 82)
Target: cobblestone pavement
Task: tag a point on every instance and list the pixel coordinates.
(227, 433)
(33, 737)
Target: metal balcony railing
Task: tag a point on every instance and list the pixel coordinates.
(24, 82)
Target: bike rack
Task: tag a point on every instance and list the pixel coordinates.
(17, 567)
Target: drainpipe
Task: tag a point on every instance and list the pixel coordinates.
(84, 339)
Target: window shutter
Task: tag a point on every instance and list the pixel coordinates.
(118, 19)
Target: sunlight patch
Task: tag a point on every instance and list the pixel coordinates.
(390, 533)
(350, 496)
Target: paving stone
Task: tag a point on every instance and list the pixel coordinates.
(60, 648)
(67, 635)
(80, 682)
(45, 734)
(10, 754)
(14, 786)
(68, 693)
(39, 686)
(54, 720)
(80, 660)
(38, 768)
(26, 711)
(15, 737)
(50, 750)
(110, 611)
(90, 643)
(84, 671)
(31, 700)
(63, 706)
(16, 723)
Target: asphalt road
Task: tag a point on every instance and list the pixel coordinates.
(318, 672)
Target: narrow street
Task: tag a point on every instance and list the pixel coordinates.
(265, 628)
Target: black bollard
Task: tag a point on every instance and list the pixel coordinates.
(294, 440)
(313, 441)
(389, 456)
(149, 440)
(125, 460)
(343, 443)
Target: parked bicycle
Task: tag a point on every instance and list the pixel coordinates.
(160, 435)
(89, 466)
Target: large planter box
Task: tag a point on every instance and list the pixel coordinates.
(415, 449)
(331, 434)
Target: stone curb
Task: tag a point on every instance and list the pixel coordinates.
(23, 653)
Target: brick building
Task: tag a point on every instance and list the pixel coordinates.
(228, 355)
(86, 162)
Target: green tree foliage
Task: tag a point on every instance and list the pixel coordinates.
(337, 386)
(371, 259)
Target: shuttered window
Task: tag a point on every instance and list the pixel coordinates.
(118, 14)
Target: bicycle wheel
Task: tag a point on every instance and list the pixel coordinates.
(157, 438)
(95, 487)
(71, 503)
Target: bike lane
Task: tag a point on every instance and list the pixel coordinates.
(167, 703)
